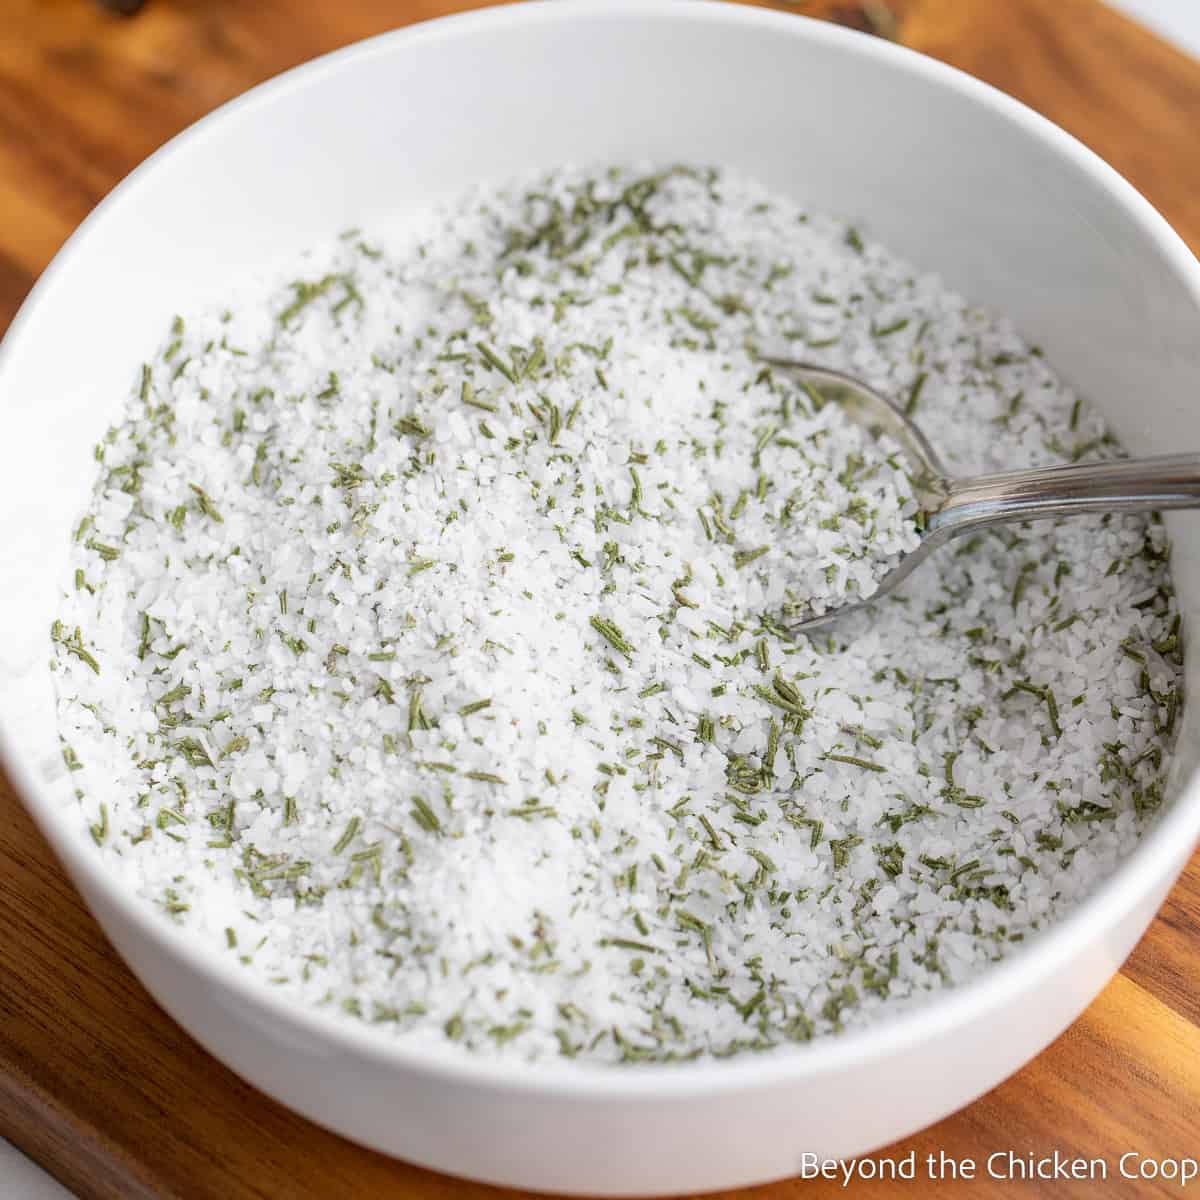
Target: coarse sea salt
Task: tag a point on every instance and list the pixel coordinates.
(424, 647)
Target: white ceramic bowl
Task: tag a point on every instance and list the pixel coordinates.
(945, 170)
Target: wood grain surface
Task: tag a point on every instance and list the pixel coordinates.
(95, 1082)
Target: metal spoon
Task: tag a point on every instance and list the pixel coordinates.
(951, 507)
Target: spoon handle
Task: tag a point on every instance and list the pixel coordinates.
(1121, 485)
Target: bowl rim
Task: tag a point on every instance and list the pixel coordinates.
(990, 991)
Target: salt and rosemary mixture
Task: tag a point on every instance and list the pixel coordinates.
(425, 648)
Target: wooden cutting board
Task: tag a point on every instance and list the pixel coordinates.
(95, 1082)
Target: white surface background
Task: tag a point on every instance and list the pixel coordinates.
(1178, 20)
(20, 1179)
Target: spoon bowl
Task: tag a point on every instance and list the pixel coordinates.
(952, 506)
